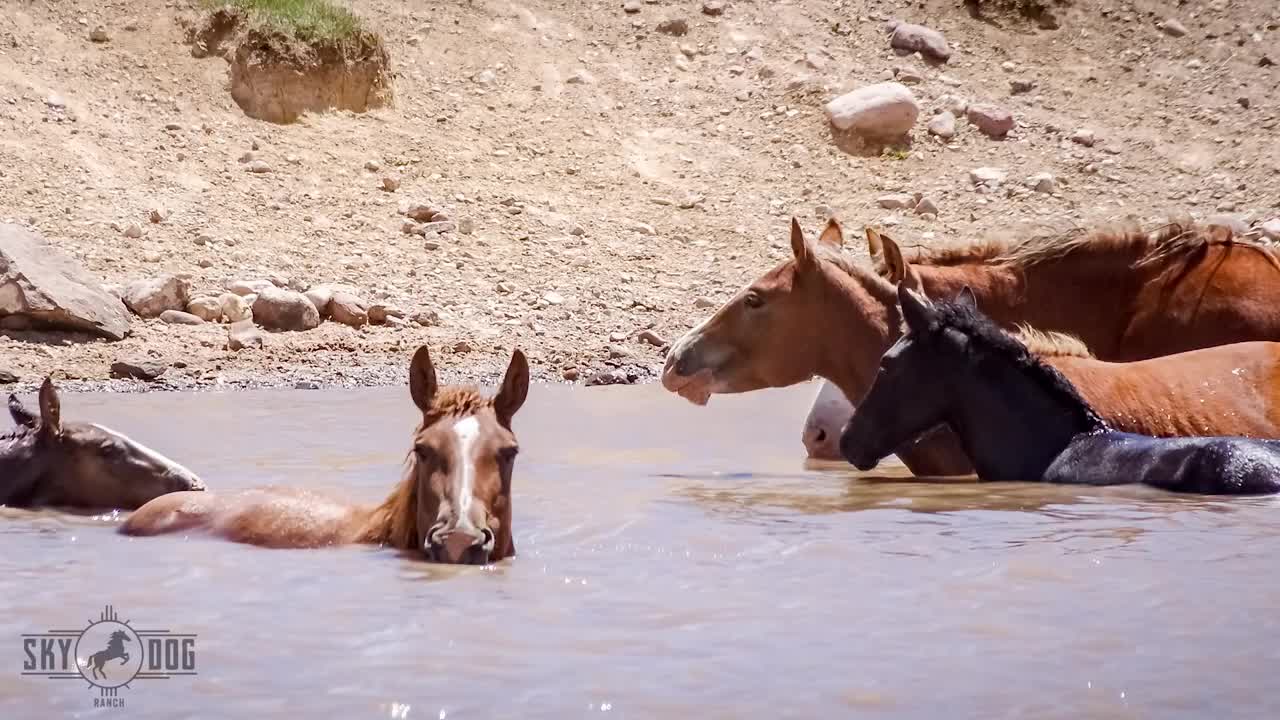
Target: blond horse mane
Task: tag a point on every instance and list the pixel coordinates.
(1179, 237)
(1047, 343)
(395, 521)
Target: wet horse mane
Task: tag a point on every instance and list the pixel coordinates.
(395, 522)
(1179, 237)
(984, 333)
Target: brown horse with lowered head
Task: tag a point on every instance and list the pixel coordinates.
(820, 313)
(453, 503)
(46, 462)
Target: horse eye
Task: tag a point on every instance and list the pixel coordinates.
(424, 452)
(753, 300)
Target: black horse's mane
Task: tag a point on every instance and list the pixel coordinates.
(982, 331)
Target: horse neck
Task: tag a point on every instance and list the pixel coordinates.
(21, 469)
(863, 323)
(394, 522)
(1082, 294)
(1010, 426)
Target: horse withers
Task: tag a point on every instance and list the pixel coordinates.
(1019, 419)
(453, 504)
(46, 462)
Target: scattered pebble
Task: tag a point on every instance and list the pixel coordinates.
(1083, 137)
(631, 7)
(609, 377)
(674, 26)
(884, 110)
(1043, 183)
(258, 167)
(918, 38)
(178, 317)
(1021, 86)
(989, 176)
(133, 230)
(991, 120)
(652, 338)
(243, 335)
(145, 370)
(702, 302)
(714, 8)
(926, 206)
(943, 125)
(390, 184)
(1173, 28)
(99, 34)
(896, 201)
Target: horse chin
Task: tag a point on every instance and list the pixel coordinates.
(695, 388)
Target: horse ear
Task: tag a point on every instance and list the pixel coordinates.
(50, 410)
(965, 298)
(515, 388)
(799, 246)
(916, 310)
(875, 247)
(21, 415)
(900, 271)
(832, 234)
(422, 379)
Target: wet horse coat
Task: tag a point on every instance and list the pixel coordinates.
(1019, 419)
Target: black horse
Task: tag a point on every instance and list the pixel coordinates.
(1019, 419)
(114, 650)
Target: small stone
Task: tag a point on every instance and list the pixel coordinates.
(7, 378)
(609, 377)
(258, 167)
(320, 296)
(553, 298)
(409, 227)
(885, 110)
(133, 230)
(1043, 183)
(390, 184)
(989, 176)
(1243, 102)
(1084, 137)
(348, 309)
(652, 338)
(703, 302)
(145, 370)
(1271, 229)
(953, 104)
(617, 352)
(372, 165)
(206, 308)
(992, 121)
(909, 77)
(714, 8)
(278, 309)
(306, 385)
(173, 126)
(158, 215)
(178, 317)
(943, 125)
(485, 77)
(570, 374)
(462, 347)
(437, 226)
(674, 26)
(1021, 86)
(896, 201)
(204, 240)
(918, 38)
(427, 318)
(235, 308)
(384, 314)
(99, 34)
(926, 206)
(420, 211)
(642, 227)
(1173, 28)
(243, 334)
(631, 7)
(150, 298)
(581, 77)
(55, 101)
(466, 226)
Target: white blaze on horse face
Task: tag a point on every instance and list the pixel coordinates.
(466, 431)
(172, 467)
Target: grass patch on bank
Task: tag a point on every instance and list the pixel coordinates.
(306, 20)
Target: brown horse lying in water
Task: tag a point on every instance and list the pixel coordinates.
(46, 462)
(767, 336)
(453, 504)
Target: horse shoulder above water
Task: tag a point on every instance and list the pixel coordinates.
(453, 503)
(47, 462)
(1019, 419)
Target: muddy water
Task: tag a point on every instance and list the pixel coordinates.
(674, 562)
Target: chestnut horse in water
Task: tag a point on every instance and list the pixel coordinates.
(46, 462)
(453, 503)
(1019, 419)
(1128, 294)
(820, 313)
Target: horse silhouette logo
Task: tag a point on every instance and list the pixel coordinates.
(109, 654)
(103, 654)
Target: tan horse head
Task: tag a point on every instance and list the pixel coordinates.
(458, 487)
(48, 462)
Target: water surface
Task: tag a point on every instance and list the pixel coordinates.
(674, 562)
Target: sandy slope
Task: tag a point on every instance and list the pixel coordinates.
(573, 162)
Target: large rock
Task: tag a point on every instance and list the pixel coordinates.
(348, 309)
(206, 308)
(885, 110)
(235, 308)
(149, 298)
(243, 334)
(278, 309)
(917, 38)
(41, 283)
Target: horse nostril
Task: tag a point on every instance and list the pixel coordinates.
(821, 436)
(486, 538)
